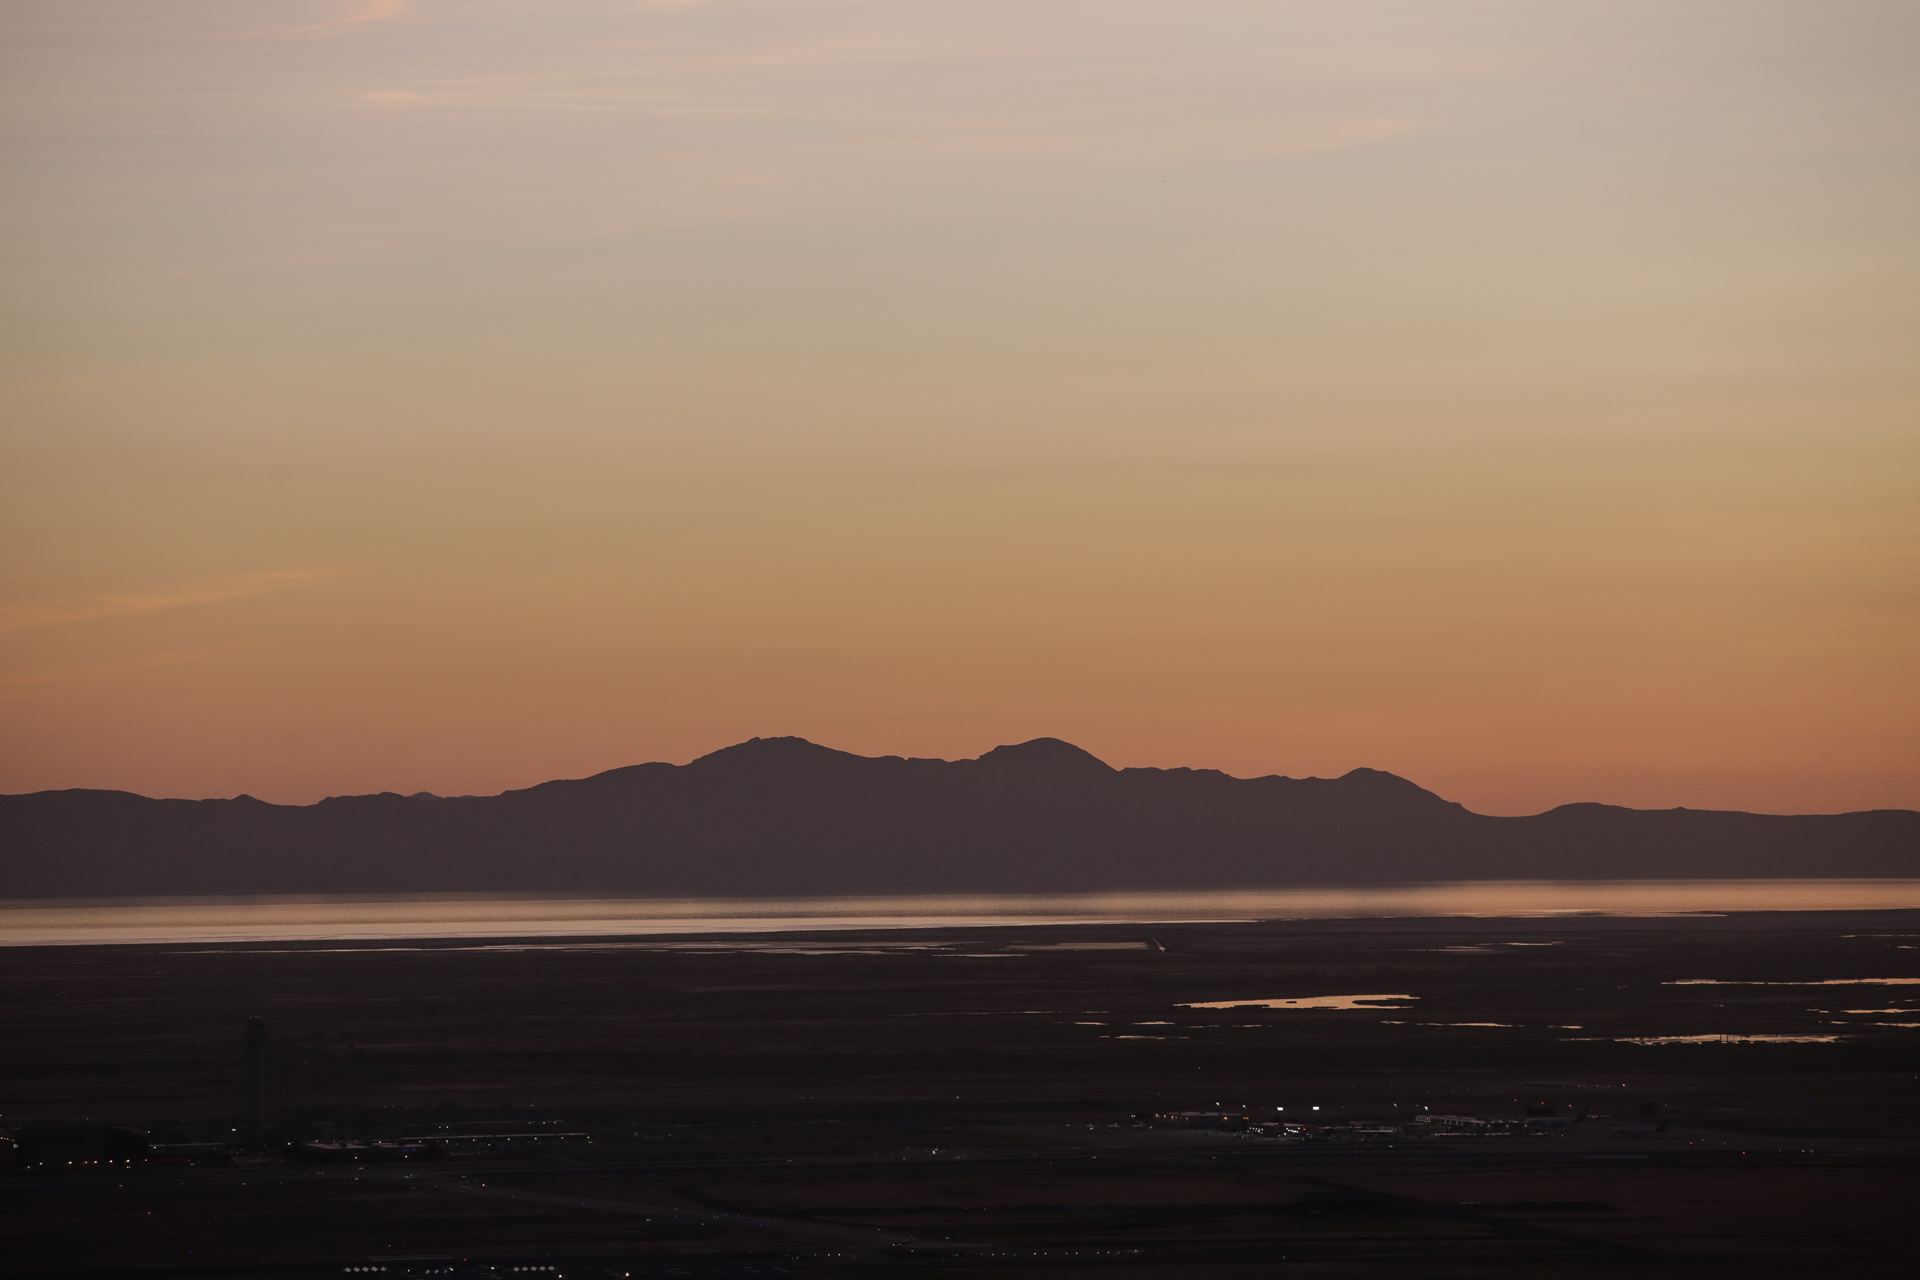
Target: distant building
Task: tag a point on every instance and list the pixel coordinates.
(1199, 1120)
(253, 1125)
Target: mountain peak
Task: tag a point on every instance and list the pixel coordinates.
(775, 751)
(1048, 754)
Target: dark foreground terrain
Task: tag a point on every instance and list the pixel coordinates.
(985, 1102)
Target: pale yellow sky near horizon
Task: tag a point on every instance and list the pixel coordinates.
(455, 394)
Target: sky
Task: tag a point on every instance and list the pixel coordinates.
(451, 395)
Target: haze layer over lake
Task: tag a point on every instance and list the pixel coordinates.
(371, 917)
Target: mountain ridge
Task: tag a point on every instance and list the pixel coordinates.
(784, 816)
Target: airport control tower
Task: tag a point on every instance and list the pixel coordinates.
(254, 1129)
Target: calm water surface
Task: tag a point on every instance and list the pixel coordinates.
(364, 918)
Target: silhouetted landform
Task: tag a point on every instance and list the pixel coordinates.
(782, 817)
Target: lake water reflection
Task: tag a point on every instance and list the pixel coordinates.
(1376, 1003)
(290, 919)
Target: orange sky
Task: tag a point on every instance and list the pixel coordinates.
(457, 394)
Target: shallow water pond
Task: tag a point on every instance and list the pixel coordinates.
(1307, 1002)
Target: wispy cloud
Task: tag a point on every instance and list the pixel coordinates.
(369, 11)
(394, 99)
(1255, 139)
(65, 610)
(14, 687)
(360, 13)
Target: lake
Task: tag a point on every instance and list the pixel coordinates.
(379, 917)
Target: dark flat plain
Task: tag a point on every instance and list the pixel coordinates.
(942, 1085)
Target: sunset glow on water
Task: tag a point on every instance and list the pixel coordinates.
(291, 919)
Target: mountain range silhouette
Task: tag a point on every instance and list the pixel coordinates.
(779, 817)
